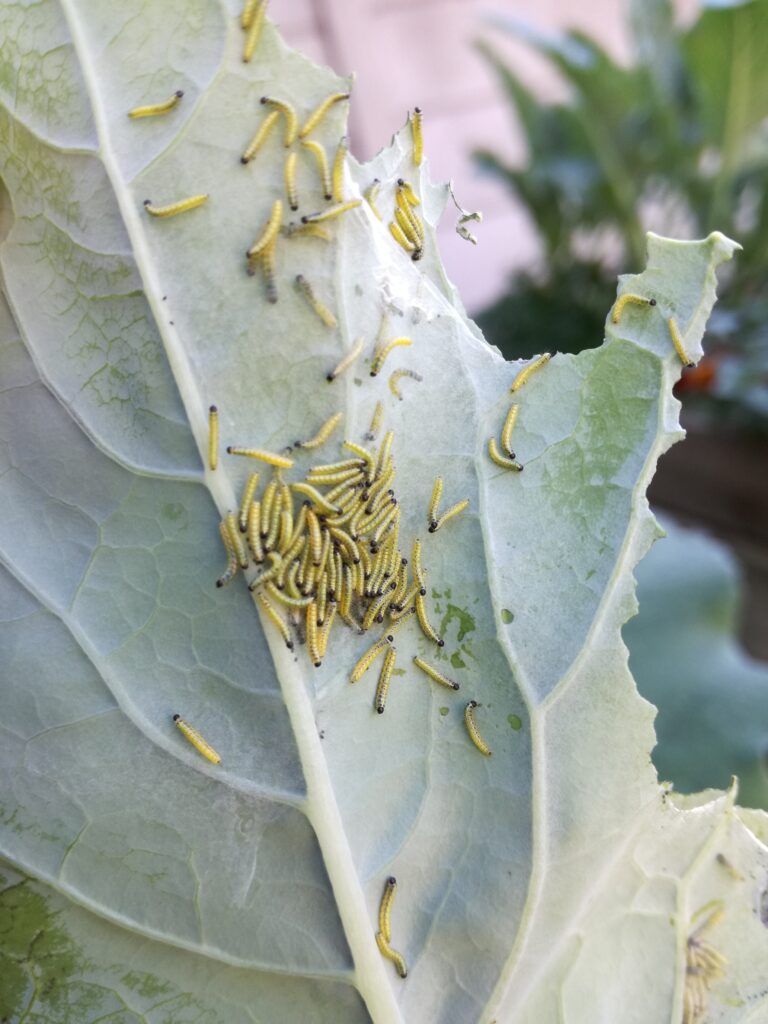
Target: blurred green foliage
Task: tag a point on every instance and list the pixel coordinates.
(677, 143)
(686, 660)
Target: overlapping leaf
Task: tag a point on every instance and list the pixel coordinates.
(686, 660)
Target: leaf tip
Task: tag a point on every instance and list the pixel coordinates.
(722, 247)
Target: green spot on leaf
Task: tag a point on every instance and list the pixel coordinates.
(443, 711)
(507, 616)
(172, 510)
(515, 721)
(146, 985)
(467, 623)
(37, 955)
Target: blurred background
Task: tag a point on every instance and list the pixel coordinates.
(575, 128)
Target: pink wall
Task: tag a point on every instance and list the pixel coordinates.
(419, 53)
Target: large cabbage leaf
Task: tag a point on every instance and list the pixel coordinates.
(555, 880)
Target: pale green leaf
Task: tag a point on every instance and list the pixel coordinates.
(522, 877)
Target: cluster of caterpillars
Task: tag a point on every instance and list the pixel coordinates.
(407, 227)
(336, 553)
(339, 554)
(703, 965)
(261, 255)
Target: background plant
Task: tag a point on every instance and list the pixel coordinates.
(676, 142)
(686, 660)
